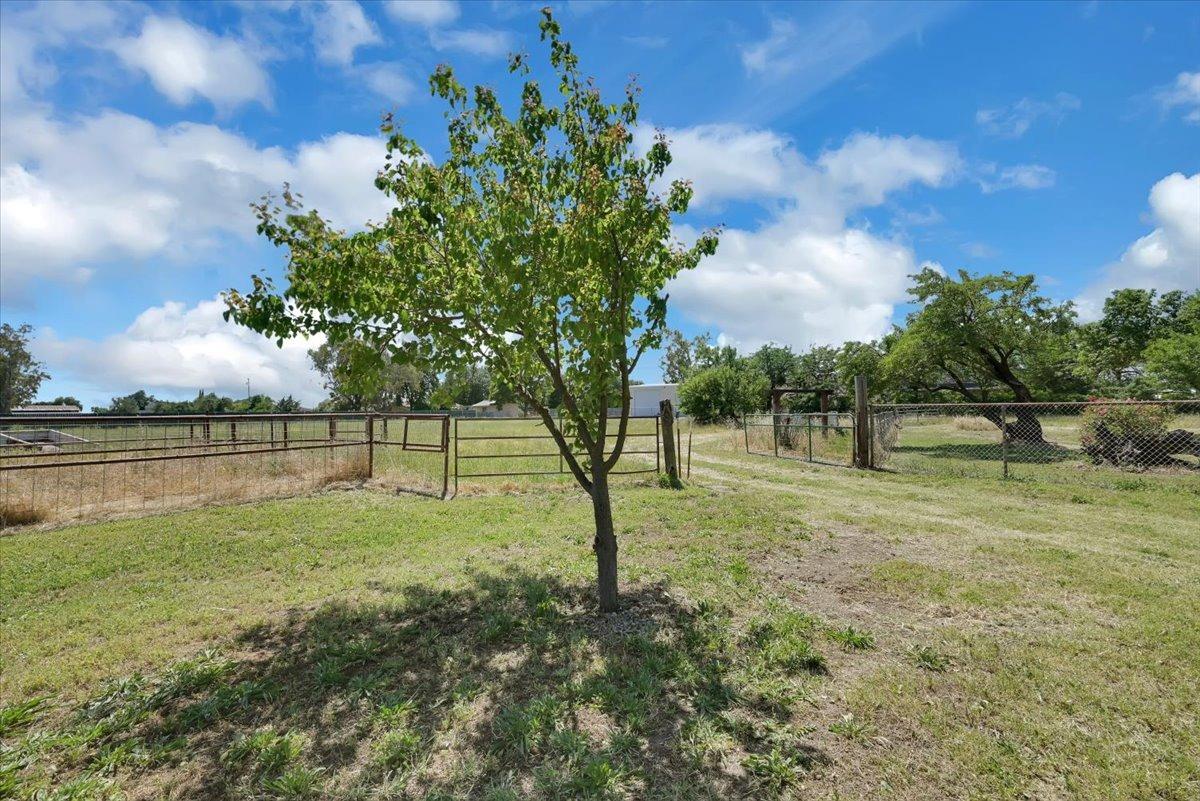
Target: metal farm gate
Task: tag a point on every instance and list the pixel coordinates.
(518, 444)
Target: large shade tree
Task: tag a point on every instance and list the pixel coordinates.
(20, 374)
(537, 246)
(985, 338)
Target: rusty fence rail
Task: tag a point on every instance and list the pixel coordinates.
(1052, 441)
(90, 467)
(61, 470)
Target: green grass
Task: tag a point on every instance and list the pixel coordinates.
(789, 630)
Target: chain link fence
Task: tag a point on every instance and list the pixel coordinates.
(1039, 440)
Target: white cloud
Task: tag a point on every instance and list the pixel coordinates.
(177, 187)
(1014, 120)
(388, 80)
(429, 13)
(176, 350)
(797, 59)
(484, 42)
(793, 285)
(1021, 176)
(1166, 258)
(980, 250)
(340, 28)
(871, 166)
(1184, 94)
(734, 162)
(184, 61)
(26, 32)
(805, 276)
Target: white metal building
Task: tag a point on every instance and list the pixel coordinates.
(644, 398)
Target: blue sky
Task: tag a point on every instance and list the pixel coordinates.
(842, 145)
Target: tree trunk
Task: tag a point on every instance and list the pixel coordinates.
(1027, 427)
(605, 544)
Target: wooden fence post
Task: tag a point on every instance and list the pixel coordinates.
(370, 445)
(862, 424)
(667, 414)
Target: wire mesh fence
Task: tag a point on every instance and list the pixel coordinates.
(68, 469)
(820, 437)
(1039, 440)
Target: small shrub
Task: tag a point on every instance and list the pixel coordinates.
(1123, 420)
(784, 640)
(928, 658)
(973, 424)
(398, 749)
(268, 752)
(297, 783)
(22, 513)
(852, 639)
(525, 730)
(774, 770)
(18, 715)
(851, 727)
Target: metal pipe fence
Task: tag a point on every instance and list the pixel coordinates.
(510, 447)
(61, 470)
(818, 437)
(1058, 440)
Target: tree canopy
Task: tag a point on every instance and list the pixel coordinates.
(536, 245)
(20, 374)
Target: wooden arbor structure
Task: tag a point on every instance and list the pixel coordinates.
(824, 395)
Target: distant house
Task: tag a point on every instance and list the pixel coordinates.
(644, 398)
(491, 408)
(45, 409)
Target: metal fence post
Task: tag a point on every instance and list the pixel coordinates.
(809, 418)
(1004, 437)
(456, 457)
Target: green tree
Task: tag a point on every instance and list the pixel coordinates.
(678, 357)
(724, 392)
(463, 386)
(1174, 361)
(20, 374)
(977, 335)
(861, 358)
(1110, 350)
(287, 405)
(67, 400)
(358, 380)
(535, 245)
(776, 362)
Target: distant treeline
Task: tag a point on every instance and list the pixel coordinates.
(141, 402)
(972, 338)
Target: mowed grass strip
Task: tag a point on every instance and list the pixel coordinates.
(793, 631)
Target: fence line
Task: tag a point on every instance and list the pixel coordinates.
(61, 469)
(1055, 440)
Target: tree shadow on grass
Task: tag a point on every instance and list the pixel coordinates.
(1018, 453)
(510, 687)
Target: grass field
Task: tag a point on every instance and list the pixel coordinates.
(788, 631)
